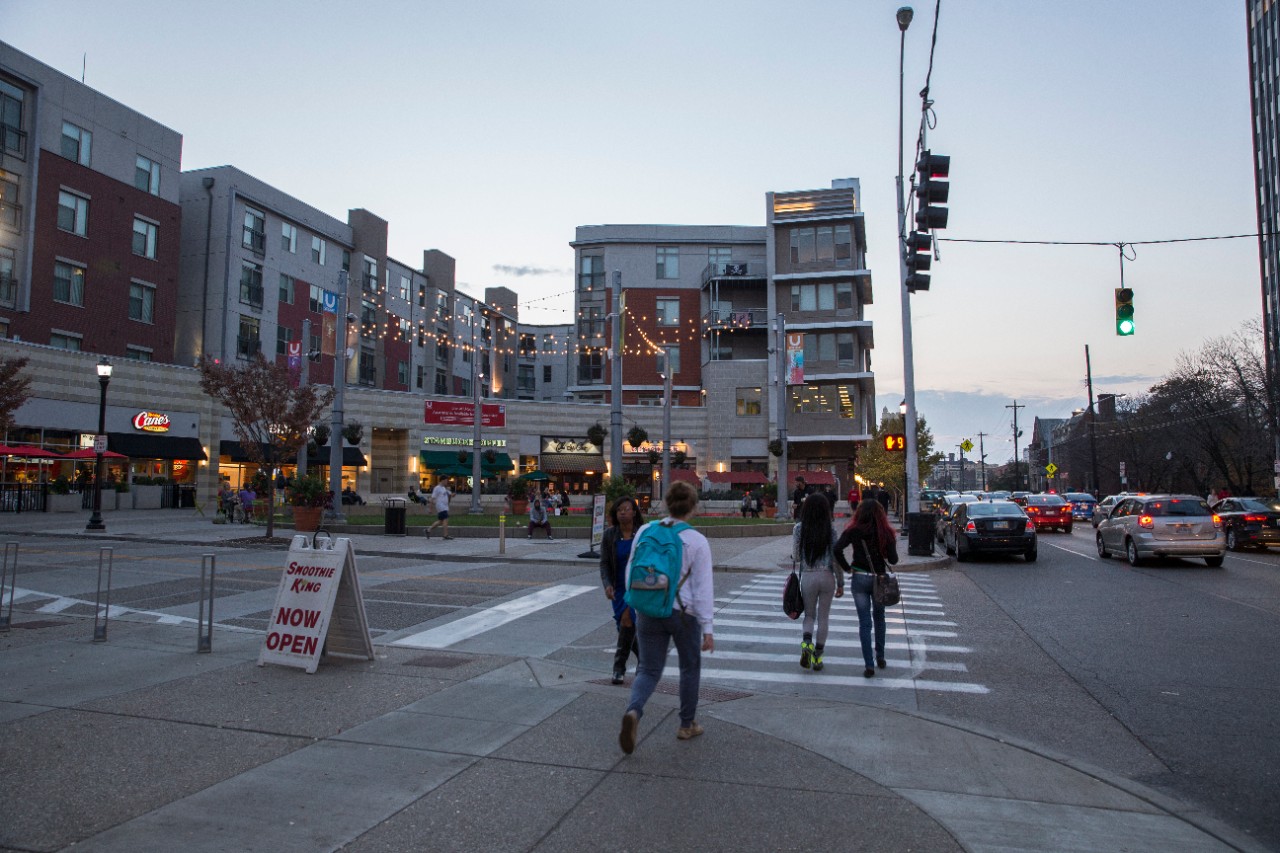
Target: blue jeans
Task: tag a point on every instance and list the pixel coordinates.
(860, 584)
(655, 636)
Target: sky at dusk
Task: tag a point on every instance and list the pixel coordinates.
(490, 130)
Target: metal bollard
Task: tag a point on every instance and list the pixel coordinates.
(502, 534)
(100, 630)
(204, 635)
(8, 576)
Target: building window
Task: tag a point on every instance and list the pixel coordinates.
(803, 250)
(10, 210)
(404, 287)
(749, 405)
(528, 345)
(315, 301)
(592, 324)
(402, 372)
(142, 302)
(591, 273)
(422, 296)
(442, 383)
(73, 213)
(251, 285)
(649, 398)
(8, 284)
(286, 289)
(146, 175)
(591, 365)
(844, 242)
(68, 283)
(367, 369)
(318, 250)
(668, 262)
(255, 230)
(283, 336)
(442, 351)
(313, 345)
(346, 260)
(546, 374)
(248, 342)
(668, 312)
(844, 294)
(137, 353)
(420, 372)
(289, 238)
(844, 346)
(823, 400)
(76, 142)
(13, 140)
(369, 283)
(719, 257)
(144, 238)
(368, 317)
(673, 354)
(525, 378)
(60, 340)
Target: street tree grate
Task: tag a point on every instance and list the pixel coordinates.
(439, 661)
(672, 688)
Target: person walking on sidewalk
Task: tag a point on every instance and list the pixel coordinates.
(689, 625)
(811, 543)
(538, 516)
(440, 495)
(615, 549)
(874, 545)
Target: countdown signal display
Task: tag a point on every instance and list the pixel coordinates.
(895, 442)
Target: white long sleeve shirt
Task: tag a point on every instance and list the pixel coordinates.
(697, 593)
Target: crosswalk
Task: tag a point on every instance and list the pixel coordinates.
(756, 643)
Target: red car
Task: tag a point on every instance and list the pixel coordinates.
(1049, 511)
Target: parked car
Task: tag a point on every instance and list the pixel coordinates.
(949, 504)
(1082, 504)
(990, 527)
(1162, 526)
(1020, 498)
(931, 500)
(1049, 511)
(1249, 522)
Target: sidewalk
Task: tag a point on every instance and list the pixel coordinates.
(140, 744)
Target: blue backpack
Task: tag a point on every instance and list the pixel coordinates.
(656, 560)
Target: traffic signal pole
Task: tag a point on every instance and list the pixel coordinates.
(908, 358)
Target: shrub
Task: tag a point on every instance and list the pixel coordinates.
(310, 491)
(637, 436)
(596, 434)
(518, 489)
(60, 486)
(617, 487)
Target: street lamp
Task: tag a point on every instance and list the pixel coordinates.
(100, 445)
(902, 407)
(912, 501)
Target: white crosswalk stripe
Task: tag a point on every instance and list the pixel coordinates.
(756, 643)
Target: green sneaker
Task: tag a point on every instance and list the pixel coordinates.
(817, 662)
(806, 654)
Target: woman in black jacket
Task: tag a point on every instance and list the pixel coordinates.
(615, 550)
(874, 545)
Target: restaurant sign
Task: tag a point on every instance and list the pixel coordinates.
(552, 444)
(151, 422)
(463, 441)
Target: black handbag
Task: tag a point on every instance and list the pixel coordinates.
(884, 585)
(792, 598)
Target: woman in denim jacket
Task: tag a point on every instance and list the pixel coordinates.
(874, 545)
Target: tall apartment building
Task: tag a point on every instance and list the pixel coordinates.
(89, 217)
(544, 362)
(714, 295)
(1263, 18)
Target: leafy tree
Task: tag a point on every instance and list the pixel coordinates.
(881, 466)
(14, 390)
(271, 416)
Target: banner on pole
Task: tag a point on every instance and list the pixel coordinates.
(795, 359)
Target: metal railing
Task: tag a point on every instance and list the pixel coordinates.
(733, 269)
(730, 319)
(24, 497)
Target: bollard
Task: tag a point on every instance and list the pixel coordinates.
(204, 631)
(502, 534)
(10, 576)
(100, 631)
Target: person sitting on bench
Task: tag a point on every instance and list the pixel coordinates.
(538, 516)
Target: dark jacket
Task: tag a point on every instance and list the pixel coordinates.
(610, 571)
(854, 538)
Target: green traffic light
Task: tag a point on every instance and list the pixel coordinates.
(1124, 311)
(1124, 327)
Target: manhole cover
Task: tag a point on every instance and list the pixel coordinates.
(672, 688)
(438, 661)
(37, 623)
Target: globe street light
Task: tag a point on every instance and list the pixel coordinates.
(100, 442)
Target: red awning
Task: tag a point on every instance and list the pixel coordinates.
(750, 478)
(678, 474)
(813, 478)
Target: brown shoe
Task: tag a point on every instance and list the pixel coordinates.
(690, 731)
(627, 737)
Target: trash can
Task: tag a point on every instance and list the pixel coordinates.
(393, 518)
(922, 532)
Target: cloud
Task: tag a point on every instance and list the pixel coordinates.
(520, 272)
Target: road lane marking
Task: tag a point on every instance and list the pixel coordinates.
(842, 680)
(443, 636)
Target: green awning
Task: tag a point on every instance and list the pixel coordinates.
(449, 460)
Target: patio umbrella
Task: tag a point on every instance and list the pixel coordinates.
(6, 450)
(536, 476)
(30, 452)
(87, 453)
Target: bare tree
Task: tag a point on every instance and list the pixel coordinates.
(14, 390)
(270, 413)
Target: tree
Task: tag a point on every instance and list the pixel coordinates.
(271, 416)
(881, 466)
(14, 390)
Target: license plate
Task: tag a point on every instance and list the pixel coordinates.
(999, 525)
(1181, 528)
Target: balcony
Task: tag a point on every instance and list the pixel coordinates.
(724, 319)
(733, 270)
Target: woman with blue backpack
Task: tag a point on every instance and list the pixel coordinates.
(811, 547)
(615, 549)
(670, 586)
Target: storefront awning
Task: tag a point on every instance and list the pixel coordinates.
(746, 478)
(685, 475)
(571, 463)
(813, 478)
(351, 456)
(447, 461)
(148, 446)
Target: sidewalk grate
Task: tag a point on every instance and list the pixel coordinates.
(439, 661)
(672, 688)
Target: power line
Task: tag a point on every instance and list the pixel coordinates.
(1117, 243)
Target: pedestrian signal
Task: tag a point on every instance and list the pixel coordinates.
(1124, 311)
(895, 442)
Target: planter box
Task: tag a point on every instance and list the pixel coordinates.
(147, 497)
(306, 519)
(108, 500)
(124, 500)
(64, 503)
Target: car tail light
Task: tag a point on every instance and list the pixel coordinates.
(971, 528)
(1032, 510)
(1030, 528)
(1217, 519)
(1146, 521)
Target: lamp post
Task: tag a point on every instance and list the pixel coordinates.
(904, 16)
(906, 475)
(477, 412)
(100, 445)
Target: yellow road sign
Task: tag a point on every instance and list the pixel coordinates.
(966, 445)
(1051, 468)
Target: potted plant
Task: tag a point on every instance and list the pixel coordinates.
(310, 497)
(518, 491)
(655, 456)
(60, 497)
(148, 492)
(596, 434)
(769, 494)
(637, 436)
(678, 458)
(353, 432)
(775, 447)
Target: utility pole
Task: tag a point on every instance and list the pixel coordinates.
(1017, 465)
(1093, 416)
(305, 348)
(334, 512)
(982, 459)
(960, 447)
(666, 418)
(476, 413)
(784, 503)
(615, 396)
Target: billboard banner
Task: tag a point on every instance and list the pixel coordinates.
(795, 359)
(463, 414)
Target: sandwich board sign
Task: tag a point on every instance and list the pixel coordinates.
(318, 608)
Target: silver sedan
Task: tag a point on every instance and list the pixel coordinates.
(1162, 526)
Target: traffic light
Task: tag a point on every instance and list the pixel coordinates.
(932, 190)
(1124, 311)
(895, 442)
(918, 255)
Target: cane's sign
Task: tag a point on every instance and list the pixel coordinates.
(151, 422)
